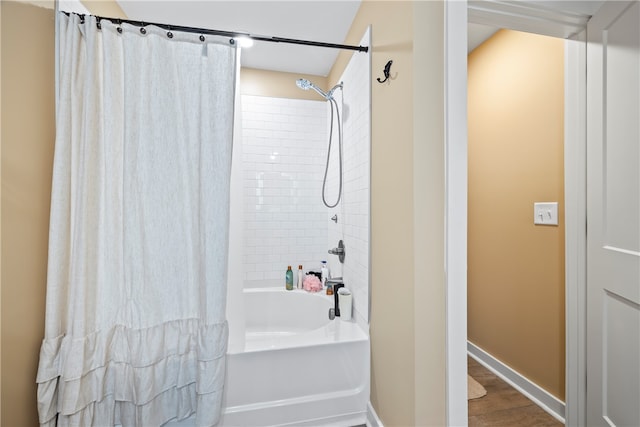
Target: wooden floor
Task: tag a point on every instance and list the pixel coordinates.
(503, 405)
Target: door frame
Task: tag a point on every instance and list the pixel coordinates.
(523, 17)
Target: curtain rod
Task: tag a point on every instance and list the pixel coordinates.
(232, 34)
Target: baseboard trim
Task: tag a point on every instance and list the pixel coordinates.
(372, 417)
(551, 404)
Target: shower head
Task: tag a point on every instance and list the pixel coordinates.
(306, 85)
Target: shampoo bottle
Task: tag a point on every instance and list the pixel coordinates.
(324, 273)
(300, 277)
(289, 279)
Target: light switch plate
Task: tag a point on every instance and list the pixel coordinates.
(545, 213)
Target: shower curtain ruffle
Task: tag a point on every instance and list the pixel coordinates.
(159, 372)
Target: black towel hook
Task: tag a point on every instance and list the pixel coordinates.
(387, 72)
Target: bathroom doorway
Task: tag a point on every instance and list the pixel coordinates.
(515, 275)
(523, 16)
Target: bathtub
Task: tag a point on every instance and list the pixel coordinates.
(297, 367)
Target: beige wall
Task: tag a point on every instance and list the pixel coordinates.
(516, 269)
(27, 155)
(278, 84)
(106, 8)
(27, 135)
(407, 210)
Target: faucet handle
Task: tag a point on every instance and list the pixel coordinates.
(340, 251)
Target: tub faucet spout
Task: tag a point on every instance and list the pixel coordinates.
(337, 283)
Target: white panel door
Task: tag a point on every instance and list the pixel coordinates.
(613, 216)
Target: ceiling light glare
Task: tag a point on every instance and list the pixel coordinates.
(244, 41)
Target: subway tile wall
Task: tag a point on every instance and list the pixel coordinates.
(284, 148)
(283, 155)
(353, 212)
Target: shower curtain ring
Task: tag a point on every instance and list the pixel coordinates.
(169, 33)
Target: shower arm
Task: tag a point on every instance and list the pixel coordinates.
(333, 89)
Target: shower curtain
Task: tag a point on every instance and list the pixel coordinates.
(135, 329)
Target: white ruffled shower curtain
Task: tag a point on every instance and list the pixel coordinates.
(135, 329)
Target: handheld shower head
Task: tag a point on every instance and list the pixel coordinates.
(306, 85)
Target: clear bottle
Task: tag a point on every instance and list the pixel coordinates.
(300, 277)
(324, 273)
(289, 279)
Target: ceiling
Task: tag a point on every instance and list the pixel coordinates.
(478, 34)
(324, 21)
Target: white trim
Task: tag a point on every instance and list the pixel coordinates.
(456, 210)
(530, 16)
(575, 160)
(545, 400)
(372, 417)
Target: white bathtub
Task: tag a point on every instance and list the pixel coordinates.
(297, 367)
(293, 366)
